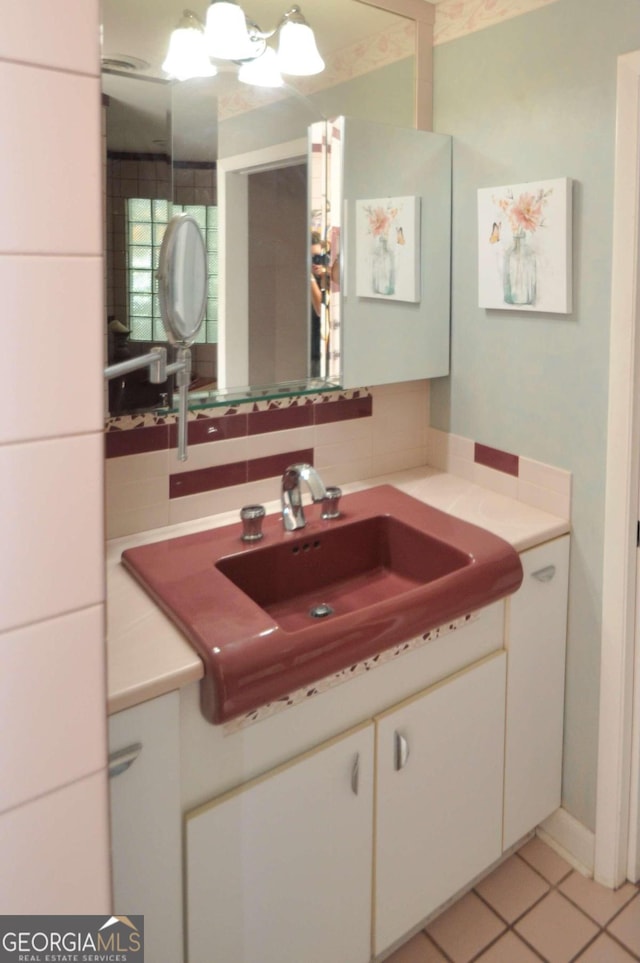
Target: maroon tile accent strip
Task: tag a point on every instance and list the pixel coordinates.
(279, 419)
(203, 430)
(236, 473)
(207, 479)
(136, 441)
(343, 410)
(494, 458)
(272, 465)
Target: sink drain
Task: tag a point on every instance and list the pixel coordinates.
(320, 611)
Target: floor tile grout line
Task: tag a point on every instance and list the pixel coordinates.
(517, 919)
(622, 909)
(493, 942)
(618, 941)
(510, 926)
(541, 874)
(488, 946)
(438, 947)
(587, 945)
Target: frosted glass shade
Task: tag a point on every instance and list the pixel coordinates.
(263, 72)
(226, 32)
(297, 51)
(187, 55)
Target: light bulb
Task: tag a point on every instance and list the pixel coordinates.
(187, 55)
(297, 51)
(262, 72)
(226, 32)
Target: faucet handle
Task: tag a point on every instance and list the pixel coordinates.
(331, 502)
(251, 516)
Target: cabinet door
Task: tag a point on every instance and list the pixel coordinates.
(146, 845)
(439, 796)
(279, 871)
(536, 634)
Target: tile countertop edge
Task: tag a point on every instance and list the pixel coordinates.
(147, 656)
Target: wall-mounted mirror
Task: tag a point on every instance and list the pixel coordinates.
(164, 144)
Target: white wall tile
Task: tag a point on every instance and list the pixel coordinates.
(210, 454)
(54, 386)
(342, 452)
(344, 432)
(418, 386)
(66, 36)
(222, 500)
(58, 849)
(350, 471)
(130, 468)
(278, 442)
(544, 499)
(136, 495)
(400, 419)
(51, 506)
(137, 520)
(545, 476)
(461, 447)
(65, 215)
(54, 728)
(496, 481)
(388, 462)
(438, 448)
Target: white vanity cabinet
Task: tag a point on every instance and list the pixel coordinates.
(535, 640)
(279, 871)
(330, 830)
(146, 844)
(438, 795)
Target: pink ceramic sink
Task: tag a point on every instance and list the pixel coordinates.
(345, 568)
(272, 616)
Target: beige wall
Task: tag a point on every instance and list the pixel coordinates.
(53, 790)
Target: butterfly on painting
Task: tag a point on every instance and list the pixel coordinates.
(399, 236)
(495, 233)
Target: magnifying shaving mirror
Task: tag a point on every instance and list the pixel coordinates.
(182, 293)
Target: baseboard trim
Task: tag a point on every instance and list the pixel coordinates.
(570, 839)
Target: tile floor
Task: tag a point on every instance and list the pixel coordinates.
(533, 907)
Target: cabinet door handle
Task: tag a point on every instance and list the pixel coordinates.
(120, 760)
(544, 574)
(355, 775)
(401, 751)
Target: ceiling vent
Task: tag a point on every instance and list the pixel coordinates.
(124, 62)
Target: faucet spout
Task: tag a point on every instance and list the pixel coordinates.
(292, 511)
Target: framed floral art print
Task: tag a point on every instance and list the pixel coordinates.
(524, 246)
(388, 248)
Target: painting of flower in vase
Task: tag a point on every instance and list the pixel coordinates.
(388, 248)
(524, 246)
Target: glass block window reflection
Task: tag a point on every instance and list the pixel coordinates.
(146, 223)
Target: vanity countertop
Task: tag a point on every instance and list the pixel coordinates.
(148, 656)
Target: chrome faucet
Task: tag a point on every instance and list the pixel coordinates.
(292, 513)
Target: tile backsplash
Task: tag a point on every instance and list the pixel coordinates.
(237, 455)
(532, 482)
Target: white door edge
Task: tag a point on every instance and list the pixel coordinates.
(621, 500)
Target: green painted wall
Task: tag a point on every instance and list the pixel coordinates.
(534, 98)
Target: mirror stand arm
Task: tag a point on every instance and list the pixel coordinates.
(159, 371)
(155, 361)
(182, 369)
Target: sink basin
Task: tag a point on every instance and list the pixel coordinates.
(270, 617)
(343, 569)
